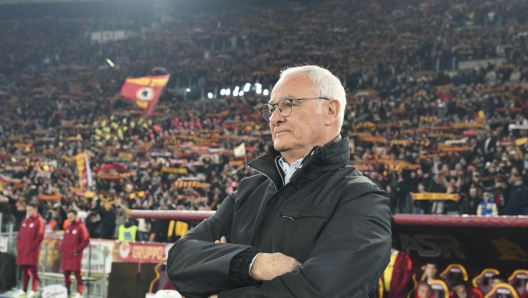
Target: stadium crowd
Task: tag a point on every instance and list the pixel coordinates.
(415, 125)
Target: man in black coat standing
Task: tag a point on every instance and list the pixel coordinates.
(518, 201)
(308, 225)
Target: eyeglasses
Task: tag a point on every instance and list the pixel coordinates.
(285, 106)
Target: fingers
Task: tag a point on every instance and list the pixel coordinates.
(296, 263)
(223, 239)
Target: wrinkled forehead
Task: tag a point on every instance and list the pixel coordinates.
(293, 86)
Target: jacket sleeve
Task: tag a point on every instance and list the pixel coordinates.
(39, 233)
(85, 238)
(196, 265)
(348, 258)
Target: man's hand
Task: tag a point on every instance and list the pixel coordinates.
(223, 239)
(213, 296)
(268, 266)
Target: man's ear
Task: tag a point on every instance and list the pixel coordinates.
(332, 112)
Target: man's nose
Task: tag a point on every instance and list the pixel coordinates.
(276, 117)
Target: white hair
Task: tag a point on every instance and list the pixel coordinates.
(326, 85)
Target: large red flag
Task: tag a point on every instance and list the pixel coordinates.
(145, 91)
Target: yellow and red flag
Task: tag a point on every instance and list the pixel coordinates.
(83, 169)
(145, 91)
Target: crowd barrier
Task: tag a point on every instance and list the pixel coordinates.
(475, 242)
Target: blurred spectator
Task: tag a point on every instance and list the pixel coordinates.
(487, 207)
(471, 203)
(430, 273)
(424, 290)
(497, 279)
(461, 290)
(518, 201)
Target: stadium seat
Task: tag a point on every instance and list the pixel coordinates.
(454, 270)
(483, 281)
(502, 290)
(518, 280)
(440, 288)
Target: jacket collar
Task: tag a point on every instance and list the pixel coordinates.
(334, 155)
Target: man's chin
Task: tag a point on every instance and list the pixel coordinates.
(279, 146)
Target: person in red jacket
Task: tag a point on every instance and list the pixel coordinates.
(30, 236)
(397, 275)
(525, 293)
(76, 238)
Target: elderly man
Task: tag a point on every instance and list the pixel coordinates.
(308, 225)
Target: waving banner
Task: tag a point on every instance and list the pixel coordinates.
(145, 91)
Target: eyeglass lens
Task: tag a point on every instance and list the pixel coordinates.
(285, 107)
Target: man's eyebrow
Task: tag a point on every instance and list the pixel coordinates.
(284, 97)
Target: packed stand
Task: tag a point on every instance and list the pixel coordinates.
(411, 131)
